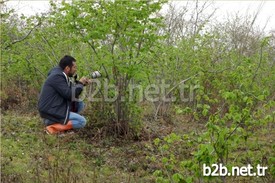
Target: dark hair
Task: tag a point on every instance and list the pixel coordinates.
(66, 61)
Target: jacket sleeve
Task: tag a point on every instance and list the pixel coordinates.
(59, 83)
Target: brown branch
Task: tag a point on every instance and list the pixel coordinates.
(258, 67)
(163, 98)
(53, 50)
(36, 68)
(22, 39)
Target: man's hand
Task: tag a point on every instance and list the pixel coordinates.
(84, 80)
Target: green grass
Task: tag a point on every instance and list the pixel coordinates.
(28, 154)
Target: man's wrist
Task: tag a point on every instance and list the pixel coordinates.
(81, 83)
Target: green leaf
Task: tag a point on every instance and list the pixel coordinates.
(177, 177)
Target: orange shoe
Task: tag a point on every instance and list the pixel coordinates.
(57, 127)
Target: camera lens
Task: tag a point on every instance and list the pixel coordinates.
(95, 74)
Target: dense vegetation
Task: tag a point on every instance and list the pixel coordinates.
(178, 91)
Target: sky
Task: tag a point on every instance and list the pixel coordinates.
(225, 8)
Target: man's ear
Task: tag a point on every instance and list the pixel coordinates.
(67, 68)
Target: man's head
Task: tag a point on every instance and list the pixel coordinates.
(67, 63)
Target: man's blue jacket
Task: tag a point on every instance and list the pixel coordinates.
(56, 96)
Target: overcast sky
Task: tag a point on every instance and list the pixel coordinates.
(225, 8)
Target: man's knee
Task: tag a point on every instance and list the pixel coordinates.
(82, 122)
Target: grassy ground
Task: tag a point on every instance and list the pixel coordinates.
(30, 155)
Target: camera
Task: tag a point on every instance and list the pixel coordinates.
(95, 74)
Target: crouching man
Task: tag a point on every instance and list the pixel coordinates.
(57, 95)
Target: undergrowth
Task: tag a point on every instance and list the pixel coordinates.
(30, 155)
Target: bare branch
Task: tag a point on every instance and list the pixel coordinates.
(163, 98)
(22, 39)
